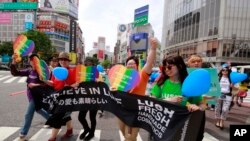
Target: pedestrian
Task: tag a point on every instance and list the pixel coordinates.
(242, 92)
(225, 99)
(60, 119)
(132, 62)
(32, 81)
(195, 61)
(53, 62)
(89, 131)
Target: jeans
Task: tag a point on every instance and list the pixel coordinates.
(29, 117)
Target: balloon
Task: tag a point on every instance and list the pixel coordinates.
(153, 76)
(100, 68)
(198, 82)
(60, 73)
(237, 77)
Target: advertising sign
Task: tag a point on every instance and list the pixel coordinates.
(28, 26)
(27, 0)
(63, 6)
(72, 40)
(44, 24)
(141, 20)
(141, 16)
(28, 17)
(5, 18)
(139, 41)
(100, 54)
(18, 6)
(215, 86)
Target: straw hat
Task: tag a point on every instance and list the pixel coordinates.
(64, 55)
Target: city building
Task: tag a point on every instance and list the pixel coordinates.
(57, 27)
(57, 18)
(217, 30)
(134, 41)
(16, 18)
(101, 51)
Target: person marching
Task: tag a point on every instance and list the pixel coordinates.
(132, 62)
(32, 81)
(89, 132)
(60, 119)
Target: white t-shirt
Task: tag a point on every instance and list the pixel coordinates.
(225, 85)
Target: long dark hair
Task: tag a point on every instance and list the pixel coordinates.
(228, 70)
(229, 78)
(180, 64)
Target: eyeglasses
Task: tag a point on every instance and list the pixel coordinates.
(63, 59)
(224, 70)
(169, 67)
(130, 64)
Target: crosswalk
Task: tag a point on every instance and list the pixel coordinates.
(44, 133)
(11, 79)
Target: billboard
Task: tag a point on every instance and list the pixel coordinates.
(139, 41)
(62, 6)
(6, 18)
(141, 16)
(100, 54)
(27, 0)
(72, 39)
(18, 6)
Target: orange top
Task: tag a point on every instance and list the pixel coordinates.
(140, 89)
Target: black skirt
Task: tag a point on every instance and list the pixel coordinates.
(57, 120)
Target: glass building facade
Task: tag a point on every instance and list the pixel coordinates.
(218, 30)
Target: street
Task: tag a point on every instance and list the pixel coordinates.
(13, 105)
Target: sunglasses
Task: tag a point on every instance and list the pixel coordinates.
(63, 59)
(169, 67)
(224, 70)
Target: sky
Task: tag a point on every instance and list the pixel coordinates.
(101, 18)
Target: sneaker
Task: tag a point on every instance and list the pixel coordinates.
(101, 115)
(83, 135)
(22, 138)
(68, 134)
(89, 136)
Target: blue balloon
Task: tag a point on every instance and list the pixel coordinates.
(60, 73)
(198, 82)
(100, 68)
(237, 77)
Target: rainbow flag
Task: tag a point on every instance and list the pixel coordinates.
(89, 73)
(42, 68)
(23, 47)
(122, 78)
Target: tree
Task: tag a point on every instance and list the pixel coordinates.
(43, 45)
(106, 64)
(6, 48)
(95, 60)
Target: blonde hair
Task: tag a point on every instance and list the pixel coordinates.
(194, 57)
